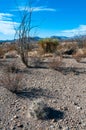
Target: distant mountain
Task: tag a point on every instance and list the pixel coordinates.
(60, 37)
(36, 38)
(3, 41)
(32, 39)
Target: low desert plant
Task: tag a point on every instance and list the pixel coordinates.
(2, 52)
(37, 110)
(12, 68)
(11, 47)
(67, 48)
(48, 45)
(81, 53)
(36, 61)
(55, 63)
(5, 48)
(12, 82)
(81, 41)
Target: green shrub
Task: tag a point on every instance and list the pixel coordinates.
(48, 45)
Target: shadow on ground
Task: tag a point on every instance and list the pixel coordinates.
(68, 70)
(54, 114)
(84, 62)
(34, 93)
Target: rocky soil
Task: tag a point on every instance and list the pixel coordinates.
(63, 90)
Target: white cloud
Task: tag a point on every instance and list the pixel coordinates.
(81, 30)
(36, 9)
(5, 16)
(7, 25)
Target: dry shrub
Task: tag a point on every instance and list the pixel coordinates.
(48, 45)
(37, 110)
(33, 46)
(84, 45)
(36, 61)
(12, 68)
(11, 78)
(55, 63)
(81, 53)
(11, 47)
(11, 54)
(5, 48)
(33, 53)
(12, 82)
(67, 48)
(2, 52)
(81, 41)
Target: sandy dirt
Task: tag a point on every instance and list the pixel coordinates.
(64, 90)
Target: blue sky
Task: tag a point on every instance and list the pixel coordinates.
(54, 17)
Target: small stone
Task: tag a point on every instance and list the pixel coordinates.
(18, 109)
(15, 117)
(12, 127)
(11, 119)
(16, 101)
(51, 126)
(78, 108)
(54, 120)
(65, 108)
(20, 125)
(54, 101)
(13, 103)
(24, 107)
(75, 103)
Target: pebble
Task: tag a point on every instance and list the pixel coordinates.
(54, 120)
(79, 108)
(15, 117)
(51, 126)
(20, 125)
(12, 127)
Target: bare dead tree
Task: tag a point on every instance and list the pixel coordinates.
(23, 32)
(80, 40)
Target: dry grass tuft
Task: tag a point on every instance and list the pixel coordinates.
(12, 82)
(81, 53)
(67, 48)
(2, 52)
(12, 68)
(55, 63)
(4, 48)
(37, 110)
(11, 79)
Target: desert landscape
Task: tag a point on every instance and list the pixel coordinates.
(49, 95)
(42, 65)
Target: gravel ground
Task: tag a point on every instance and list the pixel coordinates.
(63, 90)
